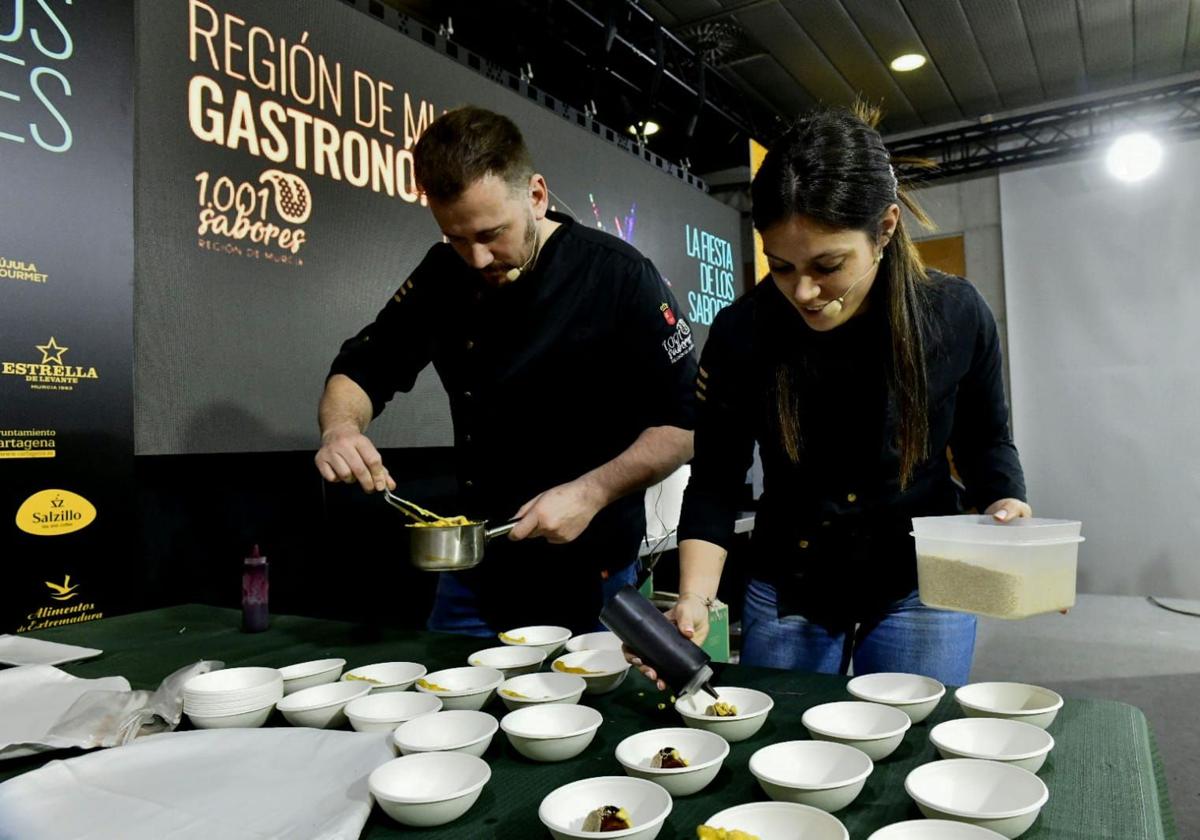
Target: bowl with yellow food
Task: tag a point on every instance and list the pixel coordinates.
(550, 638)
(537, 689)
(462, 688)
(602, 670)
(511, 660)
(383, 677)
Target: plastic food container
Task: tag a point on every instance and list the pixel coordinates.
(997, 569)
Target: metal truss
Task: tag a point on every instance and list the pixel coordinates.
(663, 56)
(1068, 129)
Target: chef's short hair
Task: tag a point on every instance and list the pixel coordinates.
(467, 144)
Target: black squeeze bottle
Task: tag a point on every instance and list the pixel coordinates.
(679, 662)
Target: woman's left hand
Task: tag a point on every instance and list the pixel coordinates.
(1006, 510)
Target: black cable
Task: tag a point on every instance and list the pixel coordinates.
(1161, 605)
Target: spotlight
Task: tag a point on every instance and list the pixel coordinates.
(1134, 157)
(907, 62)
(647, 128)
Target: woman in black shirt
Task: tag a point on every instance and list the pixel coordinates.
(854, 369)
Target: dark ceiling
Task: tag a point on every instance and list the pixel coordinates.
(764, 61)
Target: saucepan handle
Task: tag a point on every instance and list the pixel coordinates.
(500, 530)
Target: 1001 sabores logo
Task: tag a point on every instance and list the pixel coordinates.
(241, 213)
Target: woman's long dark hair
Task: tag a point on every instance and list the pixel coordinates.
(832, 166)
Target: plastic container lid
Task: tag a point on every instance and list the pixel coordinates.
(986, 530)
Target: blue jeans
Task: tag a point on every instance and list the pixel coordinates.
(909, 637)
(456, 605)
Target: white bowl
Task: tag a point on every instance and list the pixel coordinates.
(386, 676)
(704, 752)
(245, 720)
(606, 669)
(994, 739)
(822, 774)
(307, 674)
(465, 688)
(753, 708)
(429, 789)
(322, 706)
(550, 638)
(233, 707)
(458, 730)
(912, 694)
(564, 809)
(990, 794)
(1015, 701)
(510, 660)
(876, 730)
(536, 689)
(232, 691)
(934, 830)
(384, 712)
(601, 640)
(780, 821)
(551, 732)
(232, 681)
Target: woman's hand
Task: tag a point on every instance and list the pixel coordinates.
(690, 616)
(1006, 510)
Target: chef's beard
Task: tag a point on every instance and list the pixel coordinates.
(496, 273)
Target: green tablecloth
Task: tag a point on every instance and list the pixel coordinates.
(1105, 777)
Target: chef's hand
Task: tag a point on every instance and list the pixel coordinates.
(560, 514)
(690, 616)
(347, 455)
(1006, 510)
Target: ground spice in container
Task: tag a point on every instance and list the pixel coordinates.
(967, 587)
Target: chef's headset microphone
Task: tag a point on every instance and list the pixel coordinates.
(834, 307)
(514, 274)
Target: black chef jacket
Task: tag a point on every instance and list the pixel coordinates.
(549, 377)
(832, 532)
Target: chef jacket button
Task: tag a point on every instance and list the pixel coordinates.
(466, 395)
(826, 524)
(804, 543)
(470, 344)
(466, 438)
(851, 497)
(468, 483)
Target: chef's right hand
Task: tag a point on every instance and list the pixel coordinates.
(347, 455)
(690, 616)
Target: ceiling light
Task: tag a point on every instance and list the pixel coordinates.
(1134, 157)
(908, 61)
(647, 128)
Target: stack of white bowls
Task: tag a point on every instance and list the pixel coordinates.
(234, 697)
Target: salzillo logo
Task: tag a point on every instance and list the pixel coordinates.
(680, 343)
(50, 513)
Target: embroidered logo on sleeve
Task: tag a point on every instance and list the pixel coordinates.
(680, 342)
(667, 314)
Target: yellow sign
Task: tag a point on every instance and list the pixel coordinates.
(51, 513)
(758, 153)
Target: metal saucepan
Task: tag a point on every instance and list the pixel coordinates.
(447, 548)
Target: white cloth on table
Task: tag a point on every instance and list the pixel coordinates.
(233, 784)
